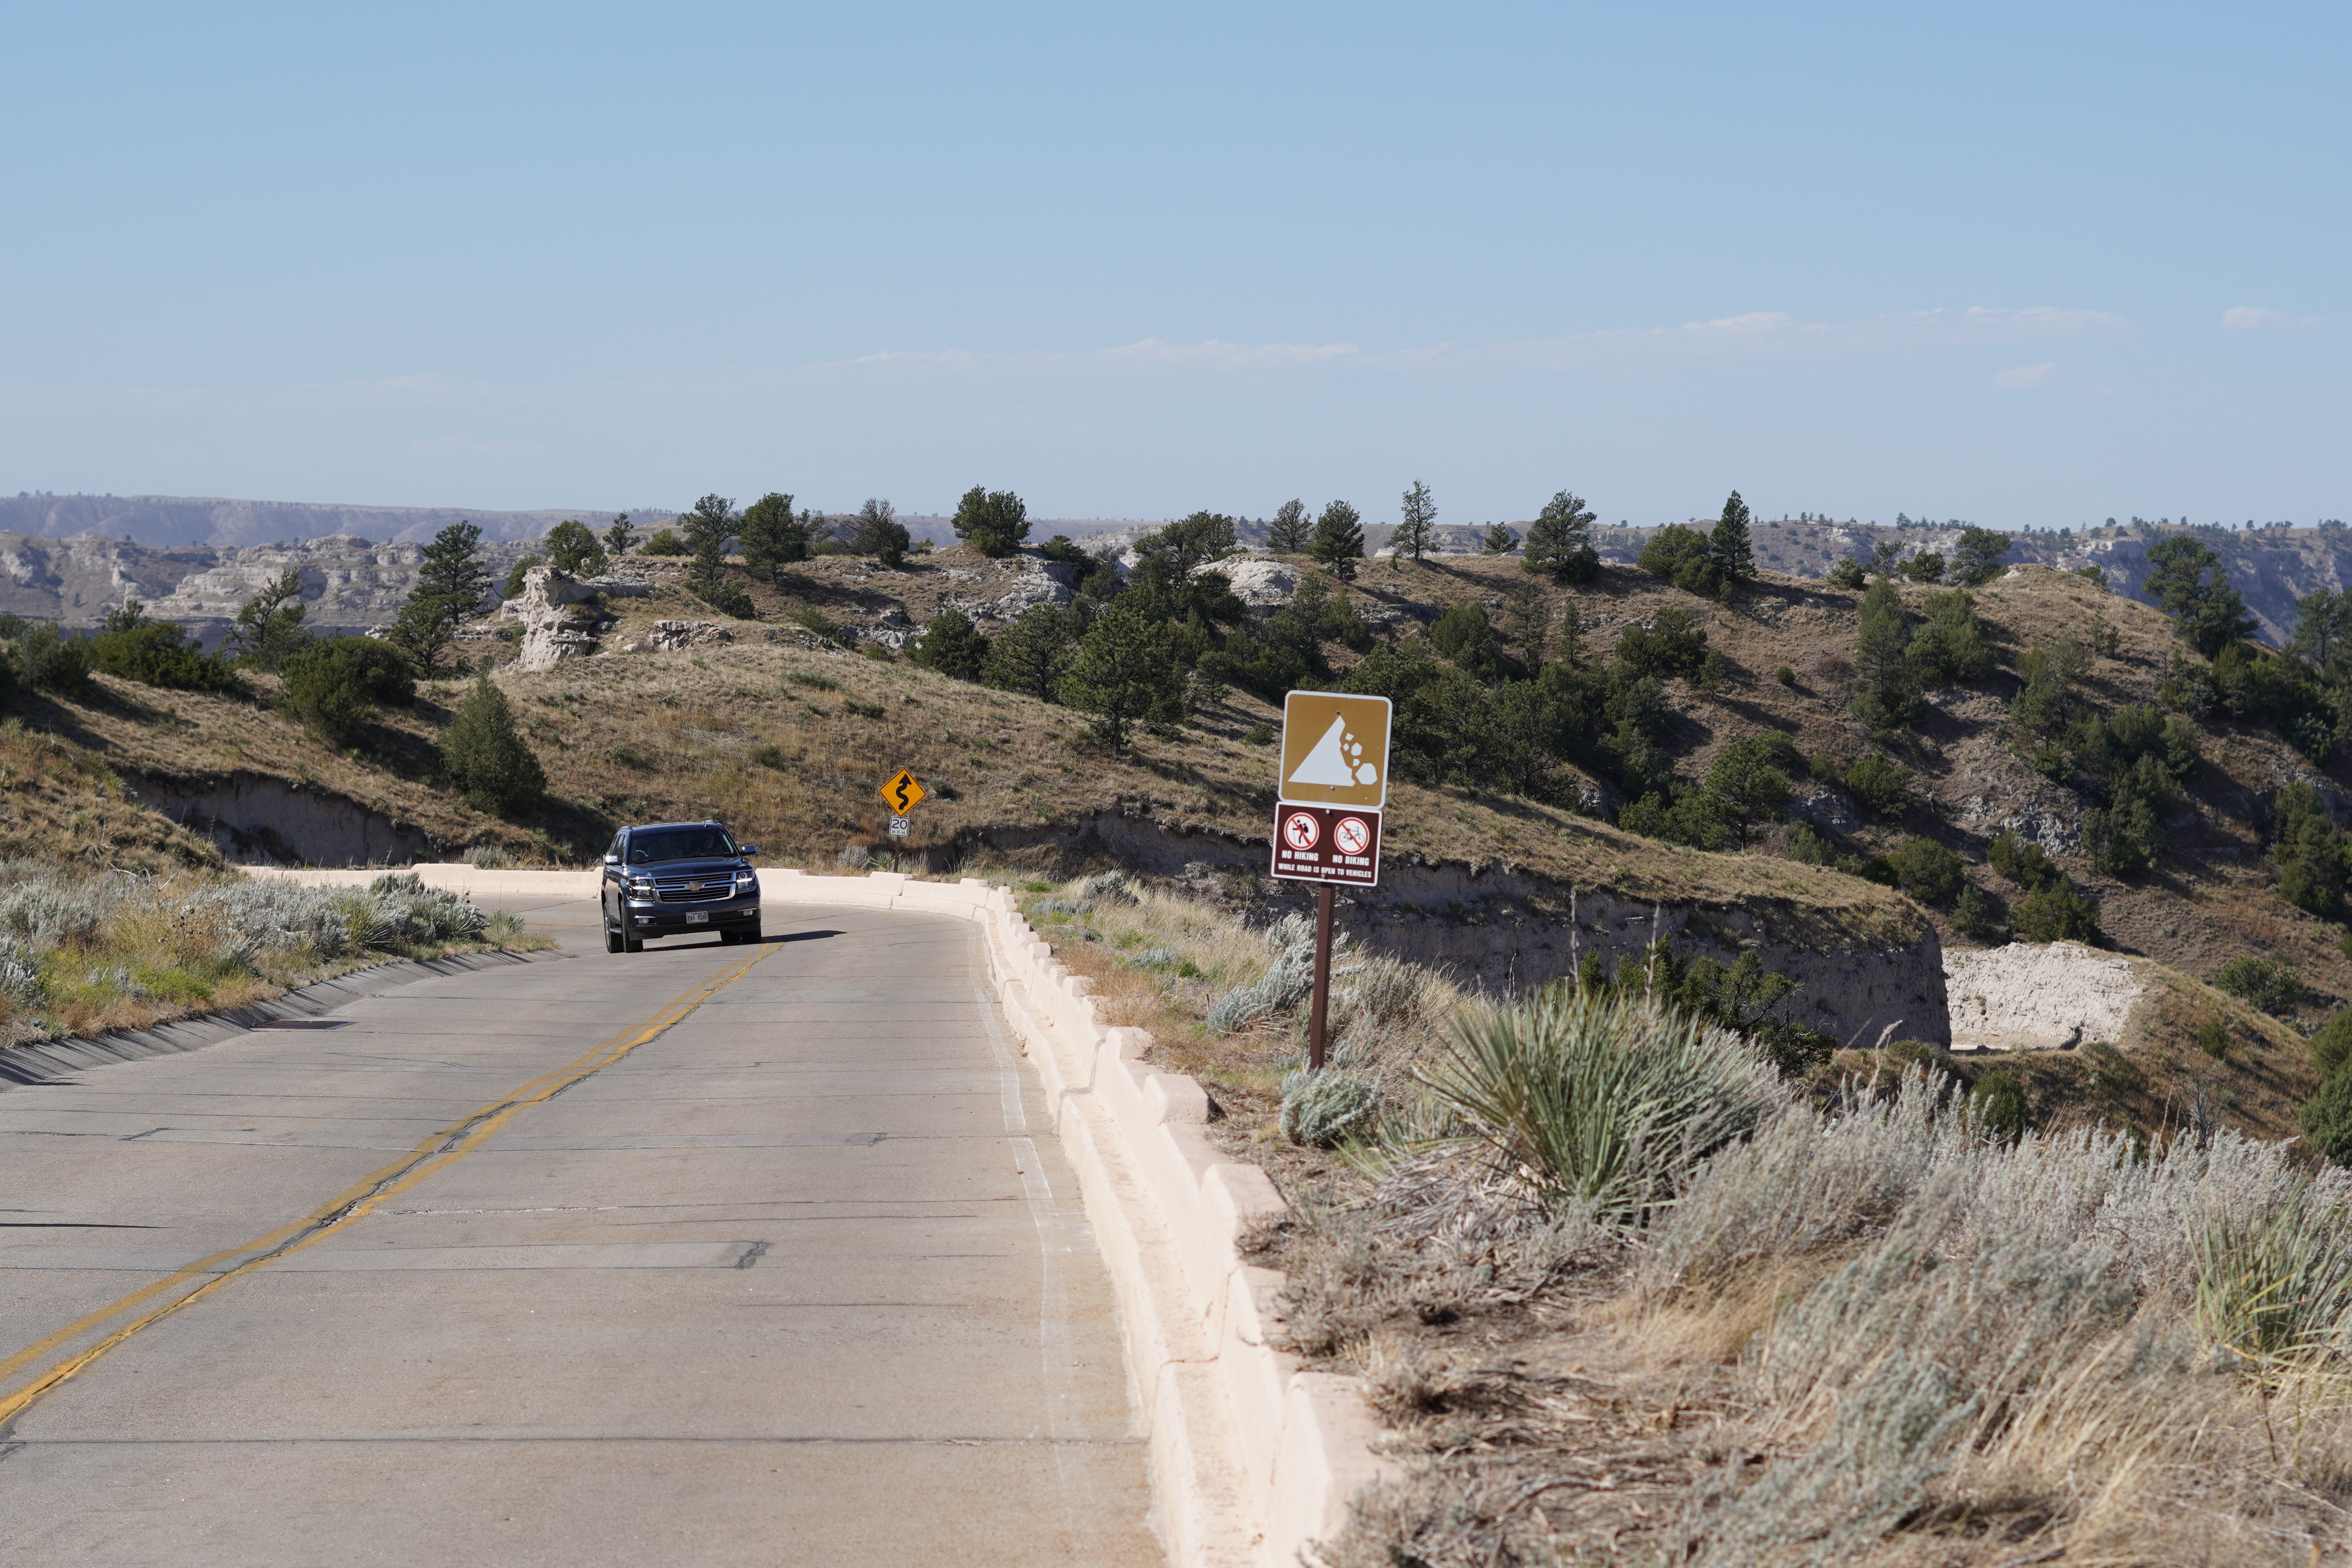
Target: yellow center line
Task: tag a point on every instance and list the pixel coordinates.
(443, 1148)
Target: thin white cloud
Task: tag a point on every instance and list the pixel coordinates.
(2024, 376)
(1753, 332)
(2257, 319)
(1152, 353)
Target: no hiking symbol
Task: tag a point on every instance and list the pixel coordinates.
(1335, 780)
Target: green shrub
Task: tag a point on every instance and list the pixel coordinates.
(2212, 1038)
(1785, 676)
(513, 586)
(1882, 784)
(49, 659)
(2327, 1119)
(2056, 913)
(1601, 1099)
(1973, 915)
(157, 653)
(1998, 1105)
(1805, 845)
(572, 548)
(1258, 735)
(1927, 870)
(1685, 557)
(951, 645)
(2021, 862)
(2331, 1048)
(1849, 574)
(725, 597)
(2262, 983)
(334, 685)
(665, 541)
(488, 758)
(1672, 643)
(1328, 1107)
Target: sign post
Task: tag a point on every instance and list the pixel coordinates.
(1327, 820)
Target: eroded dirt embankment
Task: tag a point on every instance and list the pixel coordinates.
(1862, 972)
(254, 817)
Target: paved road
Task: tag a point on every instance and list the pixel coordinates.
(495, 1273)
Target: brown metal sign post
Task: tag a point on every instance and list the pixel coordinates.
(1327, 825)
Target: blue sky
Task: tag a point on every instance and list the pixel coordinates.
(2022, 264)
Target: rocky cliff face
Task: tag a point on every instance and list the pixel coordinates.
(173, 521)
(349, 583)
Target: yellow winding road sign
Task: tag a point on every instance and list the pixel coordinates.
(904, 792)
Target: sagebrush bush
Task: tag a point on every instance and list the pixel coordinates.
(2046, 1313)
(1324, 1108)
(79, 954)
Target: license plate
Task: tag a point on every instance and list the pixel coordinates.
(698, 917)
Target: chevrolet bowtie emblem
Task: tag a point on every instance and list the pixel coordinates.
(694, 887)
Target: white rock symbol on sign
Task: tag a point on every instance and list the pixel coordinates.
(1338, 759)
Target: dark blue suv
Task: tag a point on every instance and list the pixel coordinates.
(674, 879)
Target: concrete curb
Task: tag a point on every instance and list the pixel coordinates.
(48, 1061)
(1253, 1459)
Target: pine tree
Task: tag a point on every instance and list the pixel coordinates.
(1287, 534)
(1033, 654)
(269, 630)
(1417, 524)
(571, 548)
(1125, 671)
(1729, 543)
(951, 645)
(993, 522)
(451, 583)
(621, 538)
(1501, 539)
(1886, 690)
(1559, 541)
(880, 534)
(487, 757)
(1339, 541)
(708, 527)
(772, 538)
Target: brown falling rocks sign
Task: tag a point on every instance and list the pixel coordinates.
(1334, 749)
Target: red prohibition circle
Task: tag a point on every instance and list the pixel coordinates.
(1349, 835)
(1298, 831)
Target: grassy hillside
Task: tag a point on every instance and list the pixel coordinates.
(784, 732)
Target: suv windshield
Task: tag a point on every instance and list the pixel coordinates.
(681, 845)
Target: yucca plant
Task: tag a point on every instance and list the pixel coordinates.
(1601, 1099)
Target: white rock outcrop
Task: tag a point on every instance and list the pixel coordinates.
(1258, 582)
(559, 622)
(675, 636)
(2038, 997)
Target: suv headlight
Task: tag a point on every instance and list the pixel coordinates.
(744, 879)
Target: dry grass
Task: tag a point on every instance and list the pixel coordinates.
(83, 952)
(60, 802)
(1868, 1334)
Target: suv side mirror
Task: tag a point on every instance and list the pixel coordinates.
(612, 859)
(746, 850)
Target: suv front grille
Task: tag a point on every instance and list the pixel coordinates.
(711, 890)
